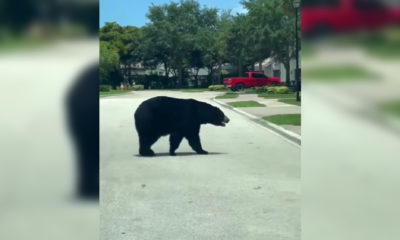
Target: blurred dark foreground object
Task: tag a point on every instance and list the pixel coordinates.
(48, 17)
(83, 121)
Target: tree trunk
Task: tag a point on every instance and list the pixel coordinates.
(180, 80)
(260, 65)
(196, 78)
(240, 68)
(166, 70)
(286, 64)
(165, 81)
(209, 76)
(219, 71)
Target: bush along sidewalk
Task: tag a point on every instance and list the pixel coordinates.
(278, 92)
(137, 87)
(217, 87)
(113, 92)
(107, 90)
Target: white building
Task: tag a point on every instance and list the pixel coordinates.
(138, 69)
(274, 68)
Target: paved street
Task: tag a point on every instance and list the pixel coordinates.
(248, 187)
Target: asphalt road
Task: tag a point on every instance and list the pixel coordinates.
(248, 187)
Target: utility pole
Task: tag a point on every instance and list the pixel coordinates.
(296, 5)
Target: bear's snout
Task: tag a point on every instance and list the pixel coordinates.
(225, 121)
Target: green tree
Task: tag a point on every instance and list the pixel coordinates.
(126, 41)
(109, 60)
(176, 36)
(204, 40)
(273, 23)
(216, 52)
(237, 42)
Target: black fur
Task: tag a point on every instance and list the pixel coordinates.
(181, 118)
(82, 105)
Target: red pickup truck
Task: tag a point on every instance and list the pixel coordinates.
(254, 79)
(332, 16)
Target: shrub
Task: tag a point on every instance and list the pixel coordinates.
(278, 90)
(216, 87)
(137, 87)
(105, 88)
(224, 72)
(271, 89)
(261, 90)
(282, 89)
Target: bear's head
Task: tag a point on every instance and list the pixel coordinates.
(210, 114)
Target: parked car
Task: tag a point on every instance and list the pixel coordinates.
(253, 79)
(334, 16)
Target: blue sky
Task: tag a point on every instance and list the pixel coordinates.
(133, 12)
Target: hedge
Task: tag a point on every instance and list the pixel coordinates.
(279, 89)
(105, 88)
(137, 87)
(216, 87)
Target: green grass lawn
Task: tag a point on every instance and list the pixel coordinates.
(22, 44)
(391, 108)
(246, 104)
(113, 92)
(337, 73)
(290, 101)
(255, 90)
(193, 89)
(285, 119)
(228, 95)
(277, 95)
(307, 50)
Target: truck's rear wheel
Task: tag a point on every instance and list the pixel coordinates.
(240, 87)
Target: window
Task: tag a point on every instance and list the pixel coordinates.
(258, 75)
(368, 5)
(320, 3)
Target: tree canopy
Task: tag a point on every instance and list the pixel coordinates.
(185, 37)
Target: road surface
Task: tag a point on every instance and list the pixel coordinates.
(248, 187)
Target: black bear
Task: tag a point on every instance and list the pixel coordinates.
(180, 118)
(82, 106)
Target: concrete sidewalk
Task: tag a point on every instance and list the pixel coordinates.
(272, 107)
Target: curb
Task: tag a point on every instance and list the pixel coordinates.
(291, 136)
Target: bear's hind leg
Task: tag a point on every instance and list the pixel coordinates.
(174, 141)
(145, 145)
(194, 142)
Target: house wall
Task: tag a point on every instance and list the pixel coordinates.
(292, 64)
(270, 68)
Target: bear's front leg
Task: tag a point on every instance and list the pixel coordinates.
(194, 142)
(174, 141)
(145, 143)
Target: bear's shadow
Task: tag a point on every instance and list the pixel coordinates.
(179, 154)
